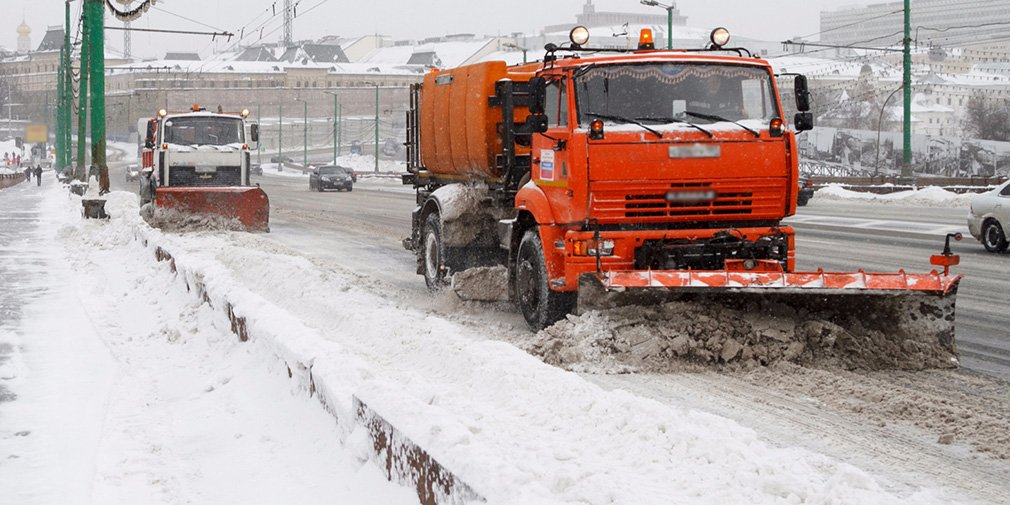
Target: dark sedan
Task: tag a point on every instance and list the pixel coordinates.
(331, 177)
(806, 191)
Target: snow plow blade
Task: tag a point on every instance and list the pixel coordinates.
(247, 205)
(875, 320)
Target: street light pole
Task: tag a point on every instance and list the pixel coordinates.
(305, 136)
(906, 168)
(669, 18)
(336, 134)
(377, 128)
(280, 138)
(876, 164)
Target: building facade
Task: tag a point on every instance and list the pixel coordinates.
(943, 23)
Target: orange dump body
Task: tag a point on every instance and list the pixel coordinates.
(460, 129)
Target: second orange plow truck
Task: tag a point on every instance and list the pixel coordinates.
(603, 177)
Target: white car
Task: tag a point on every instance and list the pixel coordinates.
(989, 218)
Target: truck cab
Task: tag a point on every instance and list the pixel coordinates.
(615, 161)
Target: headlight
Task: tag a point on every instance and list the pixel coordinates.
(579, 35)
(720, 37)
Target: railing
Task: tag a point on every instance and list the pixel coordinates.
(8, 180)
(890, 184)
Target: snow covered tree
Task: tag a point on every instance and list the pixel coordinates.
(987, 117)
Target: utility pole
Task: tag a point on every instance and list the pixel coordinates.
(82, 109)
(377, 127)
(95, 32)
(906, 166)
(288, 24)
(259, 122)
(61, 113)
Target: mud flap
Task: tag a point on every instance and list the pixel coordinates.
(886, 318)
(248, 205)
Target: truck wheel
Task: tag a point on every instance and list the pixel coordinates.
(540, 305)
(993, 237)
(433, 253)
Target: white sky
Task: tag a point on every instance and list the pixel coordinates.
(403, 19)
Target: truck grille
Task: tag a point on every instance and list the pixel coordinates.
(614, 202)
(187, 176)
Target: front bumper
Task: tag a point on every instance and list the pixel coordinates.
(625, 244)
(975, 226)
(335, 184)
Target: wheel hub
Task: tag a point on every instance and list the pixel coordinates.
(431, 255)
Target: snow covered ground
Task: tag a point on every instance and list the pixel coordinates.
(128, 390)
(132, 388)
(924, 197)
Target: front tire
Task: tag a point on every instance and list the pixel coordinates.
(433, 253)
(541, 306)
(993, 237)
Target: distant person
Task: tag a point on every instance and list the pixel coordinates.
(38, 175)
(28, 174)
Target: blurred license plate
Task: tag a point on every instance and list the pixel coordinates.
(205, 169)
(695, 151)
(691, 196)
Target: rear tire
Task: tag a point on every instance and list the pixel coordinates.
(433, 253)
(541, 306)
(993, 237)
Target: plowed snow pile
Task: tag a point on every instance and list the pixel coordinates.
(678, 335)
(176, 221)
(482, 283)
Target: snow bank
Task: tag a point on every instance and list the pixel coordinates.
(925, 197)
(516, 430)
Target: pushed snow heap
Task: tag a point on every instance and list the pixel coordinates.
(753, 333)
(174, 220)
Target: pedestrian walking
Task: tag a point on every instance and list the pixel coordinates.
(38, 175)
(28, 174)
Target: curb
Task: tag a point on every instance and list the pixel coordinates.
(403, 461)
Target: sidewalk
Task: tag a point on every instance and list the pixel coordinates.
(56, 380)
(122, 388)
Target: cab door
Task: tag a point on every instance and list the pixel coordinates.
(552, 153)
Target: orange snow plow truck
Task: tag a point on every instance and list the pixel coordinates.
(196, 163)
(603, 177)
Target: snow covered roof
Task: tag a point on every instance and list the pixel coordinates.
(440, 54)
(53, 40)
(222, 65)
(317, 53)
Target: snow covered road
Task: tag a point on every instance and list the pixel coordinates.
(513, 428)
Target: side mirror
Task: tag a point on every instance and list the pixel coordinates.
(537, 95)
(803, 121)
(802, 93)
(537, 123)
(149, 138)
(254, 132)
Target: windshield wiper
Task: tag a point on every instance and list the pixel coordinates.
(680, 121)
(626, 120)
(713, 117)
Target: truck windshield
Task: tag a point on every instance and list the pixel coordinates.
(204, 130)
(681, 94)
